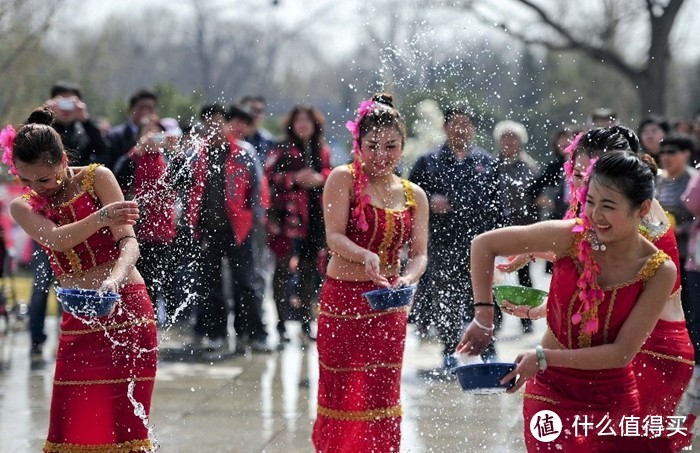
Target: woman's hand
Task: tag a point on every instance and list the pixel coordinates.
(307, 178)
(514, 263)
(109, 285)
(401, 282)
(521, 311)
(373, 269)
(475, 339)
(526, 367)
(119, 213)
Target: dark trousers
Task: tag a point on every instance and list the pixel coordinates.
(212, 314)
(452, 295)
(43, 278)
(525, 280)
(157, 265)
(308, 275)
(692, 309)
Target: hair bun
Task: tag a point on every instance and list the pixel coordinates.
(41, 115)
(384, 98)
(630, 136)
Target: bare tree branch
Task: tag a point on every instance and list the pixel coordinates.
(30, 39)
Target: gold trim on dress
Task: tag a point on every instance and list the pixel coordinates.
(390, 311)
(569, 322)
(608, 316)
(376, 366)
(540, 398)
(555, 337)
(363, 416)
(142, 322)
(105, 381)
(659, 355)
(124, 447)
(408, 192)
(387, 238)
(645, 273)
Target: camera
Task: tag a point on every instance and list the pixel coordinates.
(65, 104)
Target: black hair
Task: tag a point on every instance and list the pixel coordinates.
(240, 112)
(37, 141)
(381, 117)
(317, 138)
(142, 94)
(66, 87)
(597, 141)
(654, 119)
(628, 173)
(453, 111)
(253, 98)
(680, 141)
(209, 110)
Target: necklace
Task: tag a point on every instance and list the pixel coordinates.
(385, 196)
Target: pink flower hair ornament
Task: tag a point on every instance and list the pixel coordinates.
(591, 295)
(7, 142)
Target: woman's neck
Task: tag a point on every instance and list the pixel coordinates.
(626, 248)
(383, 180)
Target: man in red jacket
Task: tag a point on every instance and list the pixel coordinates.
(222, 208)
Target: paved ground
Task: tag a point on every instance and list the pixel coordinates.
(266, 402)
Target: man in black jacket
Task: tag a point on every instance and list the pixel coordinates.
(462, 184)
(122, 137)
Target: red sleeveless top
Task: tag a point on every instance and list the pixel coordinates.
(98, 250)
(389, 229)
(612, 311)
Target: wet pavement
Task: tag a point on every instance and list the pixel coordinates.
(267, 403)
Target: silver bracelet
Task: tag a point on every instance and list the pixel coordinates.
(541, 359)
(481, 326)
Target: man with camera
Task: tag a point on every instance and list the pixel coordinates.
(79, 134)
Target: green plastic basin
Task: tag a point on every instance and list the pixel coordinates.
(519, 295)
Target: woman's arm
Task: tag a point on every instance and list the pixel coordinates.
(337, 194)
(632, 335)
(65, 237)
(548, 236)
(418, 248)
(108, 192)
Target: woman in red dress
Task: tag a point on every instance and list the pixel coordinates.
(609, 287)
(105, 366)
(664, 365)
(370, 214)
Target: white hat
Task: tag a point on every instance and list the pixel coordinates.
(510, 127)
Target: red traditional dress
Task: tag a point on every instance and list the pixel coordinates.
(593, 396)
(361, 350)
(664, 365)
(105, 367)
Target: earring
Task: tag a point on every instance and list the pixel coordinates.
(595, 243)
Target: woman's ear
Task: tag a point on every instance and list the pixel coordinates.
(644, 208)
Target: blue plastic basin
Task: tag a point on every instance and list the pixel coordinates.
(386, 298)
(483, 378)
(86, 302)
